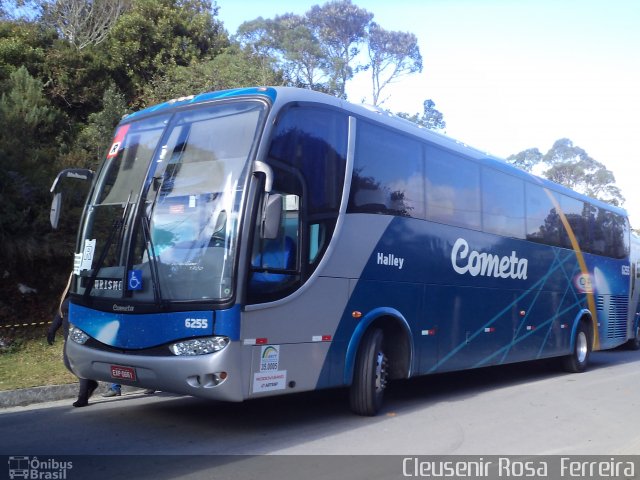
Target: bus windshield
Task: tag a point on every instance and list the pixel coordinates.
(162, 223)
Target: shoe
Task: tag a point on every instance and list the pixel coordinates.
(112, 393)
(81, 402)
(149, 391)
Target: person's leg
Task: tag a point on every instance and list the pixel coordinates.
(114, 391)
(87, 387)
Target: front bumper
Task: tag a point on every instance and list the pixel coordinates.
(198, 376)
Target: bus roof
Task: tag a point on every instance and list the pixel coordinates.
(282, 95)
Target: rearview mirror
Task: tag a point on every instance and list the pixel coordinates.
(79, 173)
(54, 214)
(56, 203)
(271, 216)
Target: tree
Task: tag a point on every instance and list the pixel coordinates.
(341, 28)
(527, 159)
(305, 60)
(75, 80)
(85, 22)
(24, 44)
(571, 166)
(30, 127)
(289, 44)
(231, 69)
(156, 35)
(430, 118)
(96, 136)
(392, 55)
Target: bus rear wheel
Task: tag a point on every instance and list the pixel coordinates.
(577, 361)
(634, 343)
(371, 375)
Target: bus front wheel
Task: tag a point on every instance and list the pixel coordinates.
(370, 376)
(579, 358)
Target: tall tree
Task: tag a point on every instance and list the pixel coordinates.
(85, 22)
(571, 166)
(342, 28)
(527, 159)
(289, 43)
(391, 55)
(430, 117)
(30, 127)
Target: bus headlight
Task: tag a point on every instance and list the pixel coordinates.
(199, 346)
(77, 335)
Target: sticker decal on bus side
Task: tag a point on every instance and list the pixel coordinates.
(487, 264)
(269, 358)
(390, 260)
(269, 381)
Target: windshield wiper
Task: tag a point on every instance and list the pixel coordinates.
(153, 258)
(116, 228)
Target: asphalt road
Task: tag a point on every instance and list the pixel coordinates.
(524, 410)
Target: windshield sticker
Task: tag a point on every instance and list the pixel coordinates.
(77, 263)
(269, 358)
(134, 280)
(87, 254)
(117, 141)
(179, 208)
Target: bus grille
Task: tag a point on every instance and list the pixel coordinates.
(617, 314)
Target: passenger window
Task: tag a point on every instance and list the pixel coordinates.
(452, 188)
(313, 142)
(543, 222)
(575, 211)
(611, 234)
(502, 204)
(388, 173)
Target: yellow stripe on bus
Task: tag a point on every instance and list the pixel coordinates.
(583, 266)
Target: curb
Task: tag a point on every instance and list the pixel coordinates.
(49, 393)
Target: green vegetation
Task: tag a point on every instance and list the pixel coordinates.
(31, 362)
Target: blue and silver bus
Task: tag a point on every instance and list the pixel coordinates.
(255, 242)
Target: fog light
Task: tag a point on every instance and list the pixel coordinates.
(77, 335)
(199, 346)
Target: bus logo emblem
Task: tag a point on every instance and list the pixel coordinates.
(486, 264)
(583, 283)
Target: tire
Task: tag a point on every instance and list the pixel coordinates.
(577, 361)
(634, 343)
(371, 375)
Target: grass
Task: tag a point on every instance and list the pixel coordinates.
(31, 362)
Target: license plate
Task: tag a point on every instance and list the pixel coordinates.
(123, 373)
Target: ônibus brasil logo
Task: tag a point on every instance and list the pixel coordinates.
(37, 469)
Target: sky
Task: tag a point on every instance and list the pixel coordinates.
(509, 75)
